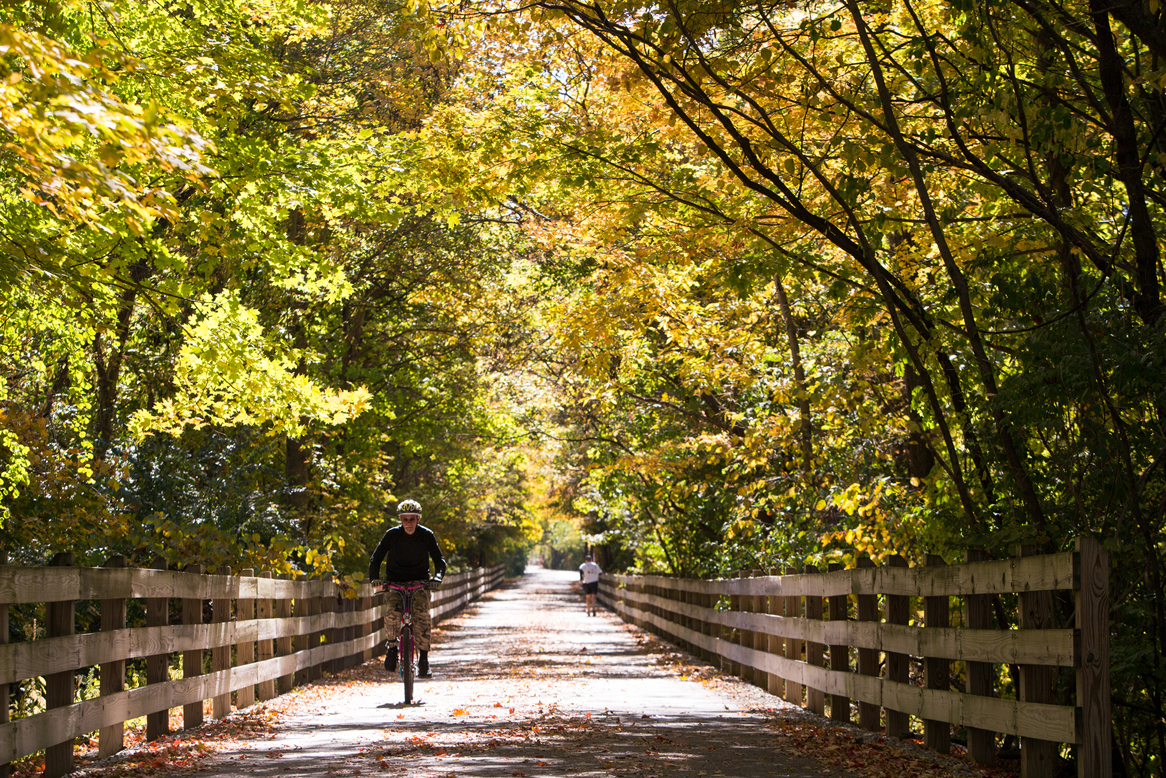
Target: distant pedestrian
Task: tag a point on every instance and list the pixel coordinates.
(589, 573)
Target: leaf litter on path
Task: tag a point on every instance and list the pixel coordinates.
(514, 694)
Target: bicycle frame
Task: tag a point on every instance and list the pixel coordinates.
(405, 637)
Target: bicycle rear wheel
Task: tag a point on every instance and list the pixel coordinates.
(406, 658)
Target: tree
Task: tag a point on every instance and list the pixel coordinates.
(962, 199)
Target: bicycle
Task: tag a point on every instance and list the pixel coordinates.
(405, 667)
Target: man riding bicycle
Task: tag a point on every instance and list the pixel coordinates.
(406, 551)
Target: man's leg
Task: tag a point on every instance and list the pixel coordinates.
(423, 625)
(392, 628)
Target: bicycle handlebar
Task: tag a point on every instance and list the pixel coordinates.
(403, 588)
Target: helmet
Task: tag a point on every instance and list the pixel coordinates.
(409, 506)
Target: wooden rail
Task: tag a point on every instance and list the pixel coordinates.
(758, 628)
(330, 631)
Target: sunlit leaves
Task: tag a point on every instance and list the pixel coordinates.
(229, 373)
(83, 148)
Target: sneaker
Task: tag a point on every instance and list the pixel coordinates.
(391, 660)
(423, 666)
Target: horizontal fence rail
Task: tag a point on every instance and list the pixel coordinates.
(265, 636)
(814, 637)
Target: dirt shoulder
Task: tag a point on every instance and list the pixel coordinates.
(525, 684)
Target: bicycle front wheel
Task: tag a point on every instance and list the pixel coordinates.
(406, 658)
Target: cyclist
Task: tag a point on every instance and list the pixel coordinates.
(406, 551)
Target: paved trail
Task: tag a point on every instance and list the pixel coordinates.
(525, 684)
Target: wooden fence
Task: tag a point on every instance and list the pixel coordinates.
(264, 635)
(839, 636)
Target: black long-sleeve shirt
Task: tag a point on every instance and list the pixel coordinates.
(406, 556)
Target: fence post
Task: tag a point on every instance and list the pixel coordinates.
(793, 646)
(343, 634)
(315, 608)
(378, 623)
(776, 645)
(1038, 758)
(367, 627)
(815, 652)
(978, 615)
(699, 624)
(312, 639)
(839, 653)
(349, 605)
(332, 633)
(692, 598)
(325, 606)
(265, 649)
(655, 610)
(745, 636)
(760, 640)
(221, 655)
(703, 626)
(192, 659)
(323, 635)
(302, 609)
(936, 672)
(632, 587)
(355, 655)
(111, 739)
(734, 636)
(868, 658)
(245, 649)
(898, 667)
(158, 665)
(60, 621)
(283, 646)
(1093, 689)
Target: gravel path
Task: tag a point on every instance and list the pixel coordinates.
(525, 684)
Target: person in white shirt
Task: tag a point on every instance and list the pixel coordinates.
(589, 574)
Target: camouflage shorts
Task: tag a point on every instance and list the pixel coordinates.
(422, 623)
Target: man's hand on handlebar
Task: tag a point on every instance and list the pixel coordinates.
(434, 584)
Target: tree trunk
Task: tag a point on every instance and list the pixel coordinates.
(805, 427)
(107, 359)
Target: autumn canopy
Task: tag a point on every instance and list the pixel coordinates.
(708, 286)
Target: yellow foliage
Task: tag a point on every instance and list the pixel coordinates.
(77, 142)
(228, 372)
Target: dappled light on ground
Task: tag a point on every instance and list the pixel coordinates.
(526, 685)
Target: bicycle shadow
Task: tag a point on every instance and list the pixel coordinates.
(401, 705)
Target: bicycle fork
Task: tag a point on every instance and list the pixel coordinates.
(406, 650)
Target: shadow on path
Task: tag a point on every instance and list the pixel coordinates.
(525, 684)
